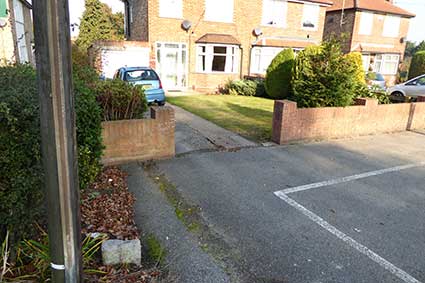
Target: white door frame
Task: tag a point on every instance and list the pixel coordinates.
(181, 71)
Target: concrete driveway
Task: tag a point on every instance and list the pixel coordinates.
(341, 211)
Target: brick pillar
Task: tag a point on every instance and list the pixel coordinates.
(283, 109)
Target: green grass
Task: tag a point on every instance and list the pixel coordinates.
(155, 251)
(251, 117)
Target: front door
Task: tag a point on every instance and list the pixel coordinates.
(171, 64)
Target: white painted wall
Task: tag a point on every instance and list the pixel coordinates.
(112, 60)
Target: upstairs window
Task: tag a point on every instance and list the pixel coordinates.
(310, 16)
(274, 13)
(213, 58)
(391, 26)
(171, 9)
(219, 11)
(366, 23)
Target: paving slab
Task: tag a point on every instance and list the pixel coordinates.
(219, 137)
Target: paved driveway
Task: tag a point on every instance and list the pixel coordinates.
(343, 211)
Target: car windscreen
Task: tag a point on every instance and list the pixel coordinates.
(140, 75)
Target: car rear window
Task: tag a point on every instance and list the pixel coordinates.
(375, 77)
(140, 75)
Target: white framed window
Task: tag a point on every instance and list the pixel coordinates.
(261, 57)
(217, 58)
(387, 64)
(311, 14)
(366, 23)
(366, 61)
(219, 11)
(275, 13)
(171, 9)
(391, 26)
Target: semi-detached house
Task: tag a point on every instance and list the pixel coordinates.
(200, 44)
(376, 28)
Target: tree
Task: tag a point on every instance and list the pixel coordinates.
(279, 75)
(98, 23)
(356, 58)
(417, 67)
(323, 76)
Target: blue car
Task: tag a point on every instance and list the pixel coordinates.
(147, 78)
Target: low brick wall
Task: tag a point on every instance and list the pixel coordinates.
(144, 139)
(367, 117)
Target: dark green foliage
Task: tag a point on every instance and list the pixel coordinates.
(240, 87)
(21, 175)
(323, 76)
(279, 75)
(246, 87)
(99, 23)
(120, 100)
(417, 67)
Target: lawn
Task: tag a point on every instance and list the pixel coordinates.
(251, 117)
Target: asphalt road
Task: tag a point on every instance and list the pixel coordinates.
(369, 227)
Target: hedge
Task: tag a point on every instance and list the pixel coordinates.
(417, 67)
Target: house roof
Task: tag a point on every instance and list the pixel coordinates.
(382, 6)
(218, 38)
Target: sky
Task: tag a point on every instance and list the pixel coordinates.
(416, 33)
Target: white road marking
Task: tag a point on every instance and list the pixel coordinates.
(350, 178)
(347, 239)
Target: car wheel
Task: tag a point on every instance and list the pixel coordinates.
(161, 103)
(397, 94)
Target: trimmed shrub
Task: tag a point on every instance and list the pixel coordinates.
(417, 67)
(120, 100)
(279, 75)
(323, 76)
(240, 87)
(21, 176)
(356, 58)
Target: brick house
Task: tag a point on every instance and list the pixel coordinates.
(201, 44)
(376, 28)
(16, 32)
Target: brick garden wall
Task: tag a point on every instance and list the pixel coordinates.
(293, 124)
(144, 139)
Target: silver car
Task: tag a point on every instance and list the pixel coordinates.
(376, 81)
(412, 88)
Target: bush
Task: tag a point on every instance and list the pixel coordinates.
(279, 75)
(417, 67)
(356, 59)
(323, 76)
(121, 100)
(21, 180)
(240, 87)
(21, 177)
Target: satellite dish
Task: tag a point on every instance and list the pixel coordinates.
(186, 25)
(402, 40)
(3, 23)
(257, 32)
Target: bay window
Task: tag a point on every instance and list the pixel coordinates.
(387, 64)
(212, 58)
